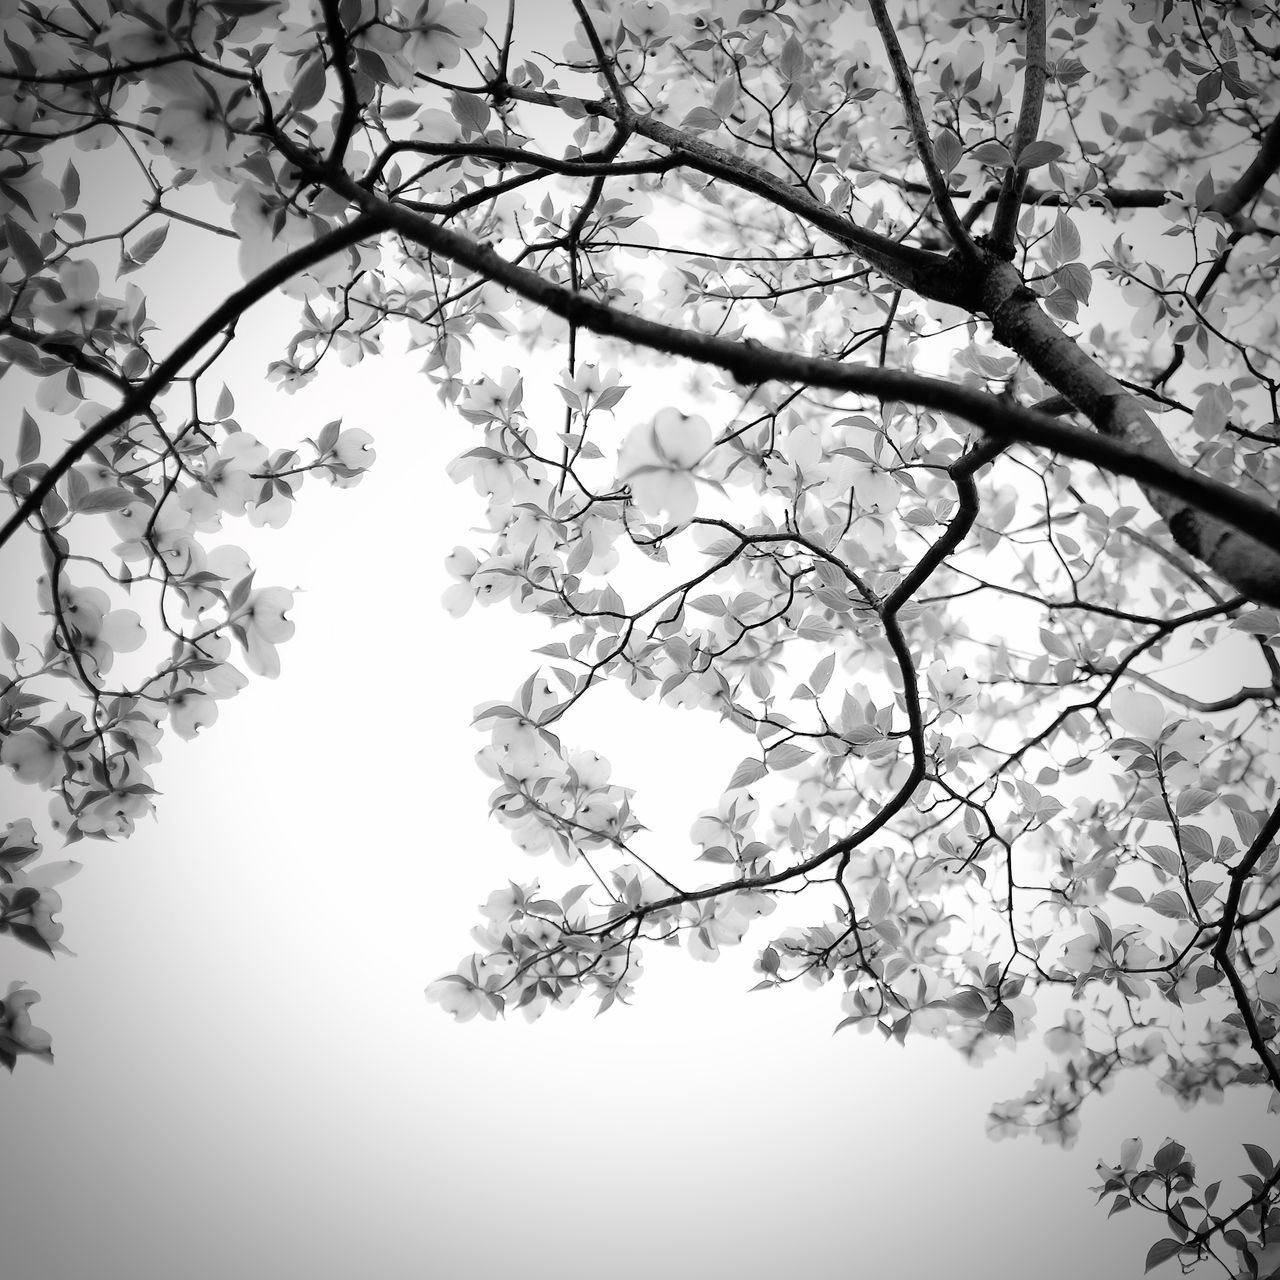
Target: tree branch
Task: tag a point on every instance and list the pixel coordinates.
(1231, 201)
(752, 363)
(930, 274)
(1005, 224)
(920, 134)
(343, 237)
(1245, 554)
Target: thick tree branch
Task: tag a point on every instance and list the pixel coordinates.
(1242, 552)
(752, 363)
(1232, 200)
(351, 104)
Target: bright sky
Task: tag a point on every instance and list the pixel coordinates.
(249, 1080)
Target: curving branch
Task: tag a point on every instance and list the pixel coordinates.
(1230, 201)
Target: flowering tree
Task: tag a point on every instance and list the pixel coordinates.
(967, 327)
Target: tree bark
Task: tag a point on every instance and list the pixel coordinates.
(1020, 323)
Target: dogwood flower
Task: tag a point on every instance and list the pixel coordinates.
(656, 460)
(227, 483)
(129, 798)
(455, 995)
(718, 922)
(38, 914)
(352, 452)
(132, 37)
(166, 531)
(119, 631)
(646, 20)
(1086, 951)
(261, 626)
(1142, 716)
(80, 305)
(18, 846)
(273, 505)
(441, 29)
(951, 687)
(493, 399)
(34, 756)
(17, 1035)
(462, 565)
(589, 388)
(38, 201)
(1068, 1036)
(191, 122)
(191, 708)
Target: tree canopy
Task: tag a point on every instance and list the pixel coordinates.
(961, 323)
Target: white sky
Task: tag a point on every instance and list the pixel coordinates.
(250, 1082)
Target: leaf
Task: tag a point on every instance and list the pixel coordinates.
(1064, 240)
(792, 61)
(787, 756)
(1193, 800)
(1035, 154)
(968, 1004)
(1068, 70)
(1076, 279)
(401, 109)
(1208, 89)
(999, 1021)
(1138, 713)
(31, 937)
(308, 87)
(471, 111)
(28, 440)
(749, 771)
(700, 120)
(1169, 903)
(1062, 305)
(1260, 1158)
(713, 605)
(112, 499)
(328, 436)
(1166, 859)
(948, 150)
(822, 673)
(226, 405)
(143, 250)
(1160, 1252)
(8, 643)
(995, 154)
(1168, 1158)
(29, 254)
(1261, 622)
(70, 186)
